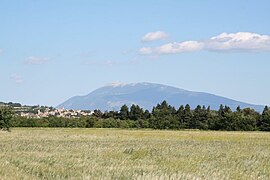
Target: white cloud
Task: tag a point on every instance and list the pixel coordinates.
(172, 48)
(33, 60)
(146, 51)
(1, 51)
(154, 36)
(17, 78)
(187, 46)
(240, 41)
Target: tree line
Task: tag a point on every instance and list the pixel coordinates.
(162, 116)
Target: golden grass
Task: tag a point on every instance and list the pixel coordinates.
(43, 153)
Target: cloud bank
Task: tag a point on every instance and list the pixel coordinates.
(154, 36)
(225, 42)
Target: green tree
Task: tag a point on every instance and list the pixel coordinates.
(187, 117)
(164, 117)
(222, 120)
(221, 111)
(136, 112)
(194, 123)
(124, 112)
(265, 119)
(6, 115)
(243, 120)
(146, 115)
(180, 117)
(238, 109)
(200, 118)
(110, 114)
(97, 113)
(90, 121)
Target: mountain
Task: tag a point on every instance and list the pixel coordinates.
(147, 95)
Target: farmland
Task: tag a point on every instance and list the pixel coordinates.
(63, 153)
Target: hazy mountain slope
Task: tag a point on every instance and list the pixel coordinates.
(147, 95)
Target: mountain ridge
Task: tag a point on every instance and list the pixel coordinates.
(147, 95)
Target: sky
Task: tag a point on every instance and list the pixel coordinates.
(53, 50)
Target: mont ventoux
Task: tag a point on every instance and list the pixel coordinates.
(147, 95)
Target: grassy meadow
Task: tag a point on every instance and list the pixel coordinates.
(51, 153)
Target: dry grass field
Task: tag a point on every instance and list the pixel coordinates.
(41, 153)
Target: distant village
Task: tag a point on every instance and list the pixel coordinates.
(45, 111)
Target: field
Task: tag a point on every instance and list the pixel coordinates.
(38, 153)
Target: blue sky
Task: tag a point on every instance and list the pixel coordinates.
(53, 50)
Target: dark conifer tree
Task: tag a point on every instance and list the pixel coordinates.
(124, 112)
(136, 112)
(265, 119)
(187, 117)
(180, 116)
